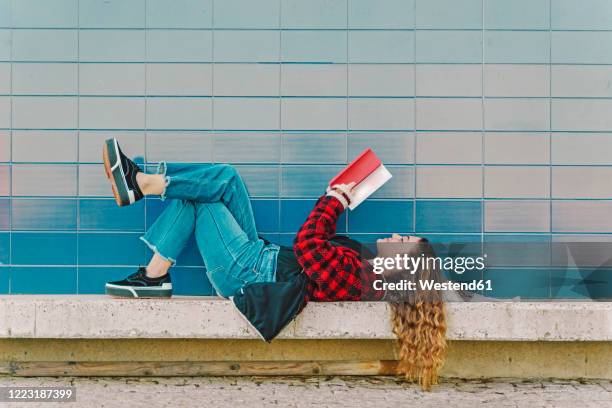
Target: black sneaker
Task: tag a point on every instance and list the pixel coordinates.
(139, 285)
(121, 171)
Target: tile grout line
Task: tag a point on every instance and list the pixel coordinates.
(10, 277)
(281, 134)
(482, 135)
(78, 137)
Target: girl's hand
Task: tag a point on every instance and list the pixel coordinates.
(343, 192)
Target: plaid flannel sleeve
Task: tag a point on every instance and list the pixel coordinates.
(333, 270)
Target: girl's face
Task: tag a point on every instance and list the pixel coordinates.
(400, 238)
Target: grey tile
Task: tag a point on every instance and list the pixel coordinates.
(247, 79)
(44, 180)
(112, 79)
(5, 181)
(247, 147)
(381, 79)
(381, 114)
(449, 80)
(261, 181)
(260, 14)
(581, 80)
(517, 114)
(517, 182)
(449, 182)
(179, 113)
(45, 146)
(320, 148)
(517, 216)
(581, 148)
(93, 182)
(401, 184)
(516, 80)
(179, 79)
(582, 216)
(517, 148)
(313, 80)
(111, 113)
(45, 79)
(5, 112)
(112, 14)
(313, 114)
(91, 142)
(448, 114)
(194, 147)
(5, 146)
(183, 14)
(48, 112)
(306, 181)
(5, 77)
(247, 113)
(390, 147)
(582, 182)
(449, 147)
(581, 114)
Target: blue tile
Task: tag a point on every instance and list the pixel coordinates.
(5, 45)
(448, 216)
(517, 47)
(44, 248)
(41, 45)
(44, 214)
(111, 249)
(43, 14)
(314, 14)
(179, 46)
(5, 273)
(191, 281)
(529, 283)
(295, 212)
(397, 14)
(381, 46)
(112, 14)
(112, 45)
(382, 216)
(5, 13)
(517, 14)
(47, 281)
(581, 15)
(5, 217)
(92, 279)
(449, 14)
(190, 256)
(449, 46)
(246, 46)
(574, 47)
(369, 238)
(581, 283)
(455, 244)
(314, 46)
(104, 214)
(286, 239)
(253, 14)
(154, 208)
(5, 248)
(266, 215)
(180, 13)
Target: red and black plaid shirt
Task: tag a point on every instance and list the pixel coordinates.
(336, 272)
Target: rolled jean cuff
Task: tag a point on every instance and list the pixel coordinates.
(162, 168)
(156, 251)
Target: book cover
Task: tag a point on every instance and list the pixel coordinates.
(367, 172)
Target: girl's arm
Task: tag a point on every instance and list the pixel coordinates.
(333, 269)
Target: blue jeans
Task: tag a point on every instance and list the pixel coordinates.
(211, 202)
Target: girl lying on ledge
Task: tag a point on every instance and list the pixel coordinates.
(271, 284)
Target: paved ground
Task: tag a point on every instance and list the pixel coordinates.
(381, 392)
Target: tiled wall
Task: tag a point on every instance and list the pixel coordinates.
(494, 117)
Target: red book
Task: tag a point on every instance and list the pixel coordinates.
(367, 172)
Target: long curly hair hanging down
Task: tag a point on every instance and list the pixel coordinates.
(419, 321)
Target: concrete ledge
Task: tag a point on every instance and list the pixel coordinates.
(101, 317)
